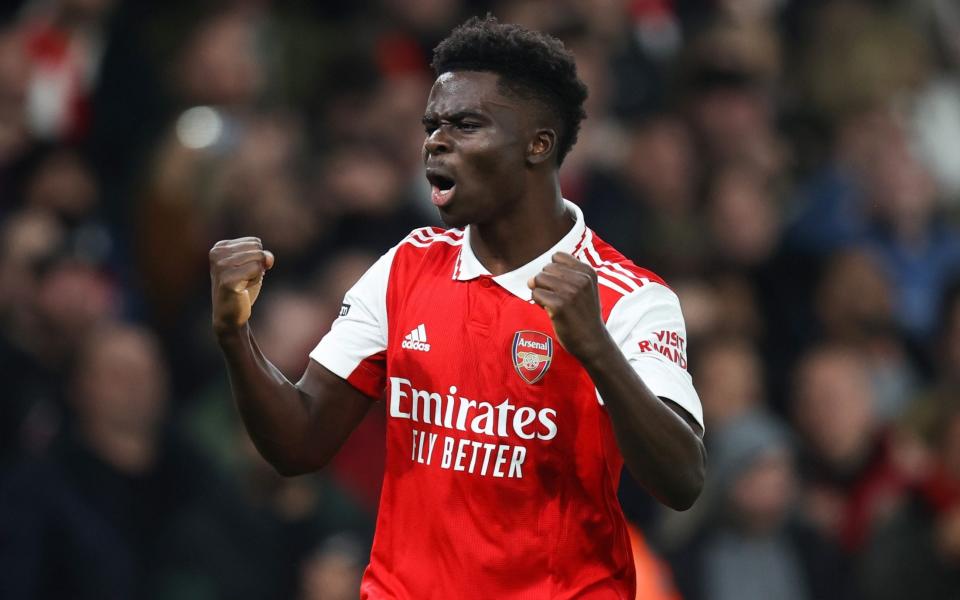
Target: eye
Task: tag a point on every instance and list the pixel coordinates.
(468, 126)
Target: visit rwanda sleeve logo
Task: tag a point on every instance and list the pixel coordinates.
(531, 352)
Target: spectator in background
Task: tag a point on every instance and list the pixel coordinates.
(218, 77)
(830, 211)
(261, 188)
(250, 535)
(854, 307)
(874, 191)
(369, 195)
(730, 373)
(753, 547)
(765, 287)
(743, 217)
(744, 231)
(916, 554)
(54, 298)
(333, 571)
(14, 130)
(945, 349)
(84, 521)
(391, 124)
(647, 201)
(27, 239)
(729, 73)
(860, 55)
(61, 183)
(933, 113)
(918, 250)
(256, 517)
(849, 468)
(64, 42)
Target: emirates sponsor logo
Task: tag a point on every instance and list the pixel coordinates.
(452, 413)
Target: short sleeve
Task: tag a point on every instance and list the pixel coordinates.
(648, 327)
(355, 347)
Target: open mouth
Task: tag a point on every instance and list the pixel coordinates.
(441, 188)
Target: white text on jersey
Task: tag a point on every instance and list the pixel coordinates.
(457, 413)
(416, 339)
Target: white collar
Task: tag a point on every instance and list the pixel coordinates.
(468, 267)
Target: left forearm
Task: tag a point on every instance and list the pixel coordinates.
(660, 448)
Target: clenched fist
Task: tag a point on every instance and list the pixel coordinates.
(567, 289)
(236, 274)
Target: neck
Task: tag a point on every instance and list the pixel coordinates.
(529, 228)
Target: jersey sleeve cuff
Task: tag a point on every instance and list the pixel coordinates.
(338, 362)
(367, 374)
(668, 381)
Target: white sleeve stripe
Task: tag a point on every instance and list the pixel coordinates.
(625, 280)
(633, 286)
(611, 285)
(421, 244)
(426, 234)
(611, 268)
(591, 252)
(453, 241)
(627, 272)
(422, 231)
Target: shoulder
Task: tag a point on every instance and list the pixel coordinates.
(425, 237)
(618, 277)
(425, 248)
(430, 241)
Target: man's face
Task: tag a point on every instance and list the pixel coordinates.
(475, 148)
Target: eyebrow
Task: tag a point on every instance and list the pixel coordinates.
(457, 116)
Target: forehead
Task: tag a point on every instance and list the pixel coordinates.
(456, 91)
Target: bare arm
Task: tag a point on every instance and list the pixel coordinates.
(660, 443)
(296, 427)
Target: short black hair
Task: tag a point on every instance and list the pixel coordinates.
(530, 64)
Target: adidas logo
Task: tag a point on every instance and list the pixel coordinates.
(416, 339)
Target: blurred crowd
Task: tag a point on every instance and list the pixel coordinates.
(790, 167)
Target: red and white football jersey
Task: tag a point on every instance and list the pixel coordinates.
(502, 467)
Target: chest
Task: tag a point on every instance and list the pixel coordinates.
(478, 337)
(473, 369)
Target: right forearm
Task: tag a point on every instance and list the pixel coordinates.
(297, 428)
(272, 408)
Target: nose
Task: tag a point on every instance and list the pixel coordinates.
(436, 143)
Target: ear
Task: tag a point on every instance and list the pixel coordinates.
(542, 147)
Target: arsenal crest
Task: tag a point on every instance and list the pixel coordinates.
(532, 352)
